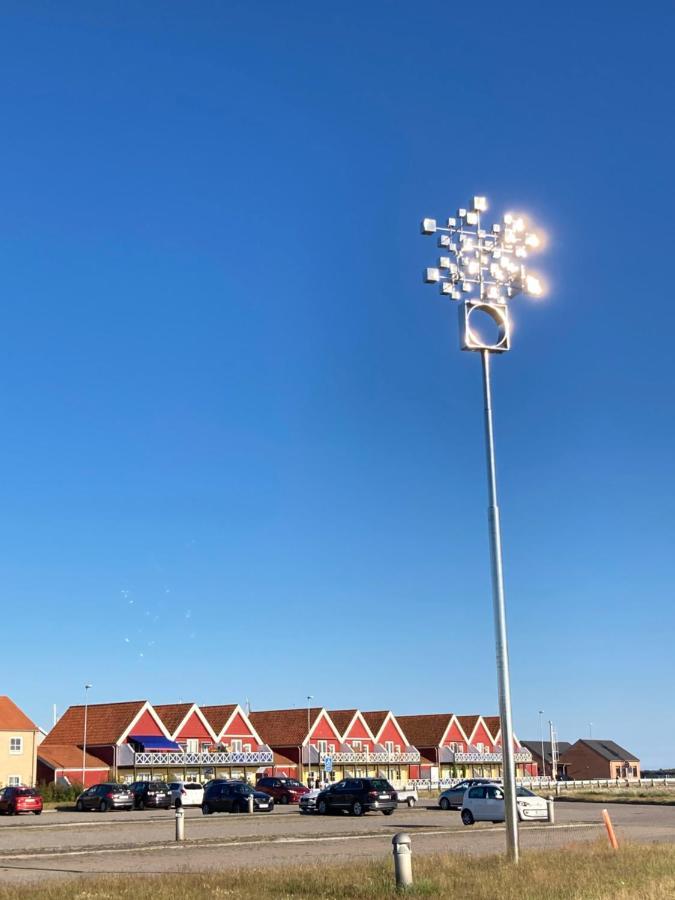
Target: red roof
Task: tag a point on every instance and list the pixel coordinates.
(68, 756)
(283, 762)
(493, 724)
(12, 719)
(468, 724)
(172, 714)
(284, 727)
(217, 716)
(341, 718)
(425, 730)
(376, 719)
(106, 723)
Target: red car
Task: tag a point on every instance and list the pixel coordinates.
(284, 790)
(15, 800)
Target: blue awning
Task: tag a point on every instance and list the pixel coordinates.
(155, 742)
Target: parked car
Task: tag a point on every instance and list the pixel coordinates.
(357, 796)
(104, 797)
(307, 802)
(283, 790)
(186, 793)
(452, 797)
(485, 803)
(409, 797)
(232, 796)
(151, 795)
(15, 800)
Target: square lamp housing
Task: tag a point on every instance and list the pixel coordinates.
(484, 326)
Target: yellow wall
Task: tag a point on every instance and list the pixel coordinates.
(21, 764)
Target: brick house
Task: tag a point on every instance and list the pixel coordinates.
(599, 759)
(544, 766)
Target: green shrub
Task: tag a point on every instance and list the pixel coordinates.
(60, 793)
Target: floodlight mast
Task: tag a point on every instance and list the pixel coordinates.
(492, 263)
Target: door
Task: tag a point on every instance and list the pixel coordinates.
(338, 794)
(476, 802)
(494, 803)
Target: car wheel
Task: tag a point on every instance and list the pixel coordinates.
(11, 810)
(140, 805)
(38, 812)
(283, 799)
(79, 806)
(103, 806)
(387, 812)
(357, 808)
(467, 817)
(206, 809)
(411, 802)
(444, 804)
(323, 808)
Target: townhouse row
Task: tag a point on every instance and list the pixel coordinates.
(136, 740)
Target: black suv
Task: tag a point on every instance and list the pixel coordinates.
(151, 794)
(357, 796)
(232, 796)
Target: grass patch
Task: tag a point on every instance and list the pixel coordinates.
(636, 872)
(663, 797)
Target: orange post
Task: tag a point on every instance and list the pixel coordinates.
(610, 830)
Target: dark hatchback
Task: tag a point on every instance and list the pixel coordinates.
(358, 796)
(283, 790)
(232, 797)
(104, 797)
(151, 795)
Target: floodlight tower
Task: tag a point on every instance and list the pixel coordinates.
(486, 267)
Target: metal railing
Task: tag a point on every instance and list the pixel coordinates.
(255, 758)
(342, 757)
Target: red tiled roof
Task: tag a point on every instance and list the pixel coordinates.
(217, 716)
(68, 756)
(425, 730)
(493, 724)
(172, 714)
(376, 719)
(341, 718)
(106, 722)
(12, 718)
(468, 724)
(283, 727)
(283, 762)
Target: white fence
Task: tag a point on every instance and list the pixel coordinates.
(256, 758)
(558, 786)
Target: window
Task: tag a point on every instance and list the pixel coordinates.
(192, 745)
(205, 745)
(331, 748)
(479, 747)
(477, 793)
(389, 746)
(398, 748)
(14, 780)
(453, 746)
(322, 746)
(235, 745)
(247, 748)
(356, 746)
(16, 745)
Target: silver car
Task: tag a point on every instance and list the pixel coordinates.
(452, 797)
(104, 797)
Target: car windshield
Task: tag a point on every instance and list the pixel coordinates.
(523, 792)
(26, 792)
(289, 782)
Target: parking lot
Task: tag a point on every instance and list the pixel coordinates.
(63, 844)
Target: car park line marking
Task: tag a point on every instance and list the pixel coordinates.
(205, 845)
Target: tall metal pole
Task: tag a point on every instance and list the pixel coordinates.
(84, 741)
(554, 752)
(309, 744)
(501, 643)
(541, 738)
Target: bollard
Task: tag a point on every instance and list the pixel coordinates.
(402, 860)
(180, 824)
(557, 789)
(250, 803)
(551, 813)
(614, 844)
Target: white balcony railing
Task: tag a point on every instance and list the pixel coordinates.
(374, 758)
(158, 758)
(472, 755)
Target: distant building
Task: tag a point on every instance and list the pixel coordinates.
(599, 759)
(18, 745)
(545, 766)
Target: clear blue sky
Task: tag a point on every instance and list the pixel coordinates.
(242, 454)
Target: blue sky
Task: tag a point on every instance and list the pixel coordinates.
(242, 453)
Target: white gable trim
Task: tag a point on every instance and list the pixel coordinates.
(455, 720)
(390, 717)
(202, 718)
(358, 715)
(145, 708)
(323, 713)
(235, 712)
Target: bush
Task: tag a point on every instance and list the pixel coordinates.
(60, 793)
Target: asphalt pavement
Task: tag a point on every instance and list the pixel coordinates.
(64, 844)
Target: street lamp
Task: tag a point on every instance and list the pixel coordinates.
(485, 268)
(84, 742)
(541, 738)
(309, 745)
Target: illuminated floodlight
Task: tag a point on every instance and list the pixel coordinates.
(480, 204)
(431, 276)
(428, 226)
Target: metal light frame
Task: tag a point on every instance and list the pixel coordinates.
(489, 264)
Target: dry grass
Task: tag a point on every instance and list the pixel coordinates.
(637, 872)
(662, 796)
